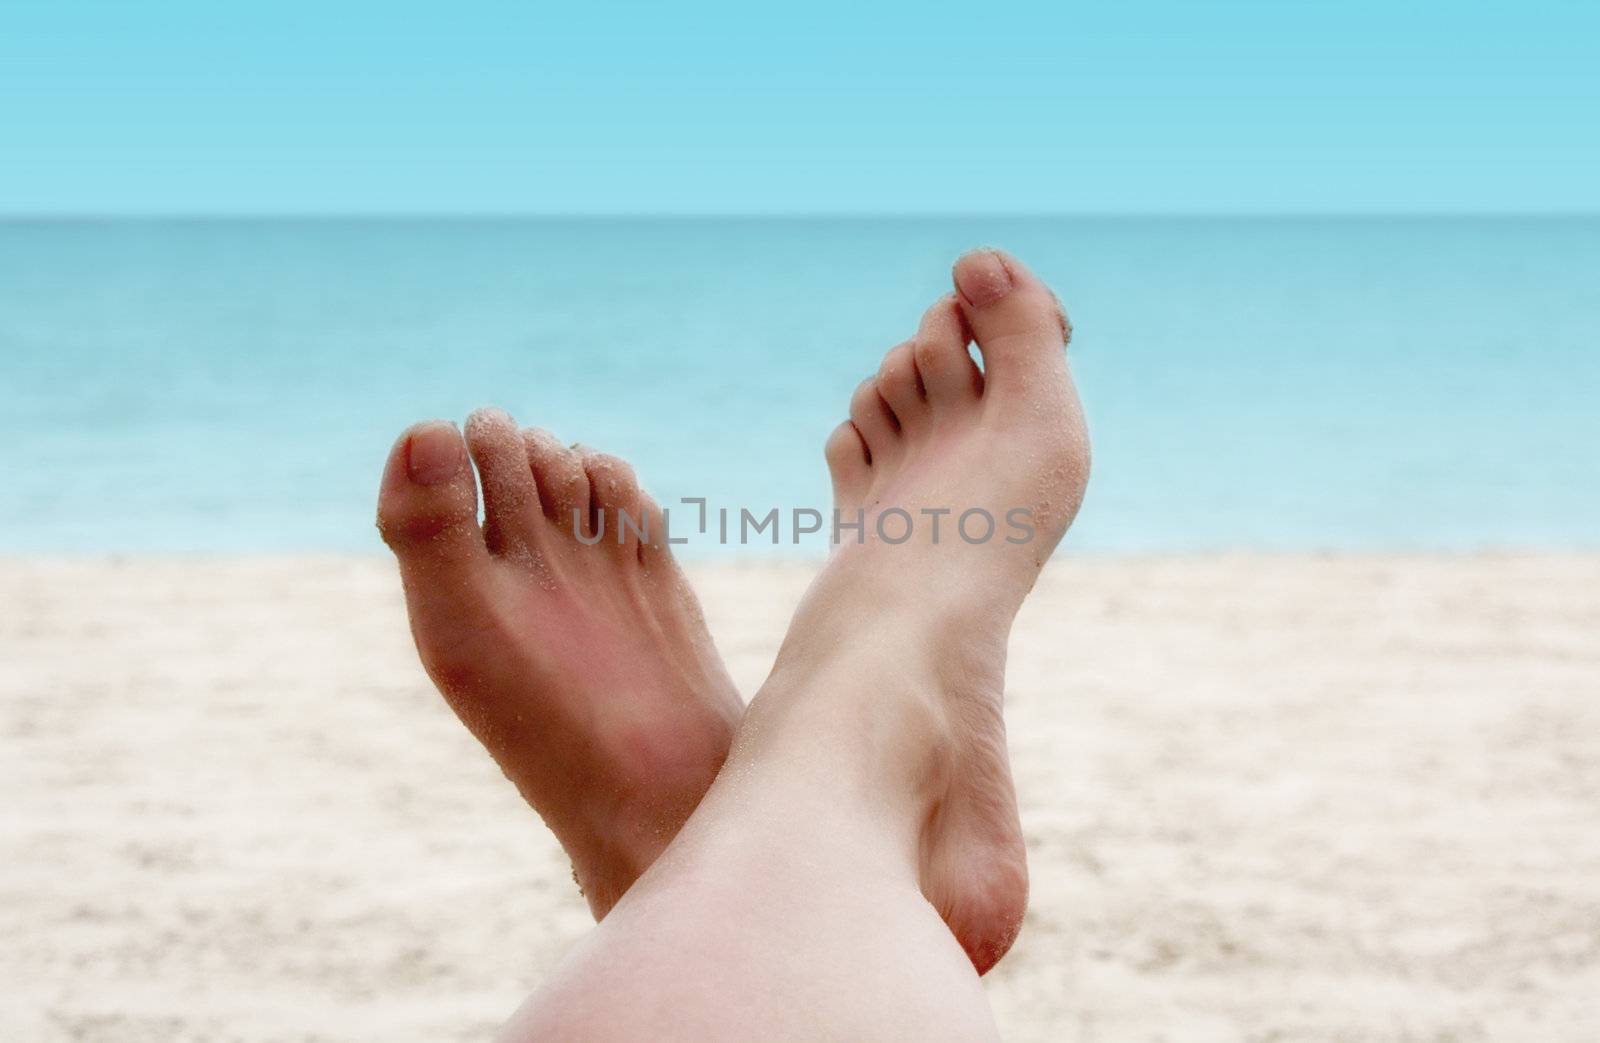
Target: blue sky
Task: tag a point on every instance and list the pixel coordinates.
(329, 107)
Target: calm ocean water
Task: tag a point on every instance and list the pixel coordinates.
(228, 386)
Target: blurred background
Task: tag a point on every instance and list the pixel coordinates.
(1333, 269)
(232, 386)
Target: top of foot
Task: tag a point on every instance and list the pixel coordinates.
(582, 664)
(989, 466)
(966, 480)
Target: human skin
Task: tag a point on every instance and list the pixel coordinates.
(857, 860)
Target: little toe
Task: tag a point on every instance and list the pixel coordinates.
(428, 502)
(512, 514)
(949, 375)
(846, 452)
(901, 387)
(1016, 320)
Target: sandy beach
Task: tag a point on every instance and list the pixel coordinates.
(1266, 798)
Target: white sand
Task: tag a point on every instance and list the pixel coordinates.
(1267, 798)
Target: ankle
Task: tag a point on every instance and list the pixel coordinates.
(883, 728)
(864, 617)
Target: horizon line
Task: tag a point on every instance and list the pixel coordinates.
(772, 215)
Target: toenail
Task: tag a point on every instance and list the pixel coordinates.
(982, 278)
(433, 454)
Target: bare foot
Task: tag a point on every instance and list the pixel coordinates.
(926, 612)
(586, 671)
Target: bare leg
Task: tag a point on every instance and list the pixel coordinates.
(867, 793)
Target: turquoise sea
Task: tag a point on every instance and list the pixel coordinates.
(222, 386)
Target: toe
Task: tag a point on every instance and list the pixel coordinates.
(653, 547)
(428, 503)
(563, 483)
(1016, 320)
(901, 387)
(948, 373)
(512, 515)
(847, 463)
(876, 422)
(614, 495)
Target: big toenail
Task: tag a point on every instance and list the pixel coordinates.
(982, 278)
(433, 454)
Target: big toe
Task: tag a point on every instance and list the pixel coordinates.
(1018, 323)
(428, 502)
